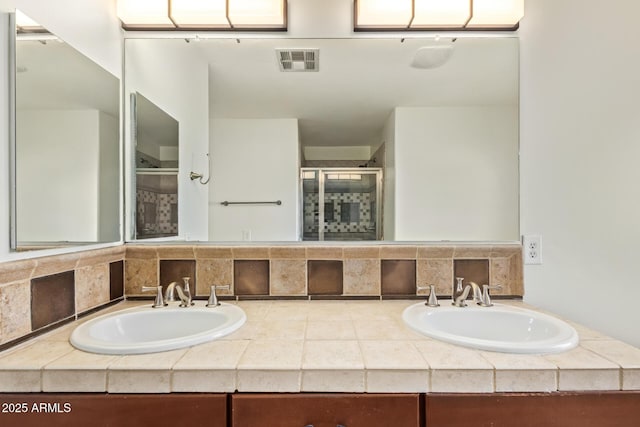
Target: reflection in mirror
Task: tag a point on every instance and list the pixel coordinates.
(156, 156)
(443, 130)
(67, 147)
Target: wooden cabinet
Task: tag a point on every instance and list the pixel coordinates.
(326, 410)
(620, 409)
(113, 410)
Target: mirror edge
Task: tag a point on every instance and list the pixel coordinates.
(11, 72)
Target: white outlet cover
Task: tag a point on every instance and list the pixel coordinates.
(532, 249)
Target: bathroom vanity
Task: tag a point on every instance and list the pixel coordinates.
(320, 363)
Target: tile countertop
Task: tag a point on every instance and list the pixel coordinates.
(318, 346)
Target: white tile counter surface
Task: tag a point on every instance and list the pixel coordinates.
(319, 346)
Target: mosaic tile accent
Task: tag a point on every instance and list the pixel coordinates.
(344, 212)
(157, 213)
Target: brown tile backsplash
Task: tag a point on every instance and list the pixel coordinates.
(52, 299)
(176, 270)
(251, 277)
(324, 277)
(116, 280)
(398, 277)
(472, 270)
(53, 288)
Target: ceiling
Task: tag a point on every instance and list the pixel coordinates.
(358, 84)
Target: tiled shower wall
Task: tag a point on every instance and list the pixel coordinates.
(41, 292)
(366, 212)
(166, 221)
(338, 271)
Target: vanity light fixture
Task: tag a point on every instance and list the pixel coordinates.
(403, 15)
(213, 15)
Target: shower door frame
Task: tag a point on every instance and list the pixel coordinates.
(321, 184)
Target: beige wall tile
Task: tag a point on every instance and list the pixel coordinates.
(499, 275)
(398, 252)
(361, 277)
(505, 251)
(435, 251)
(288, 277)
(56, 264)
(288, 253)
(516, 277)
(464, 251)
(214, 272)
(437, 272)
(15, 311)
(361, 252)
(139, 273)
(176, 252)
(250, 253)
(141, 252)
(101, 256)
(15, 271)
(325, 253)
(92, 286)
(213, 252)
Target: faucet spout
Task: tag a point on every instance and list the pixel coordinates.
(460, 300)
(183, 293)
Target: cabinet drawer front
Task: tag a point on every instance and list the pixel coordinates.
(326, 410)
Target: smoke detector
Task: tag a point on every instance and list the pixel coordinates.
(298, 60)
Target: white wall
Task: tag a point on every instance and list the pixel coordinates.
(389, 178)
(71, 212)
(97, 35)
(109, 173)
(4, 140)
(175, 78)
(254, 160)
(90, 26)
(456, 173)
(580, 149)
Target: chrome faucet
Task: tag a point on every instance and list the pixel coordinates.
(183, 293)
(461, 293)
(159, 302)
(433, 299)
(213, 298)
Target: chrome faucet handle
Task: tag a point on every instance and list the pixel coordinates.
(159, 302)
(486, 298)
(213, 298)
(433, 299)
(459, 286)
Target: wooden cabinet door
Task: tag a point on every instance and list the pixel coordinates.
(595, 409)
(325, 410)
(113, 410)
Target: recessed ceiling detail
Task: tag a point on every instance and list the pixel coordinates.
(298, 60)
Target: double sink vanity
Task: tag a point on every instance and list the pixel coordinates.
(327, 363)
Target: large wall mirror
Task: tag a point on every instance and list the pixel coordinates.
(67, 145)
(437, 117)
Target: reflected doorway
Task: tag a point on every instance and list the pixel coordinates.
(346, 201)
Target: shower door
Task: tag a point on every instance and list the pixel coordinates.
(341, 204)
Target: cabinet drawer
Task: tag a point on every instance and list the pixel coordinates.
(325, 410)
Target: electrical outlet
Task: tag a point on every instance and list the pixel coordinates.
(532, 248)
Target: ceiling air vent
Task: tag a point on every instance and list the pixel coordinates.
(298, 59)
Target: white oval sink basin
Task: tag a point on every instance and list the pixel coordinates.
(150, 330)
(498, 328)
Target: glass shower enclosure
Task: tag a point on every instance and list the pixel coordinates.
(341, 203)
